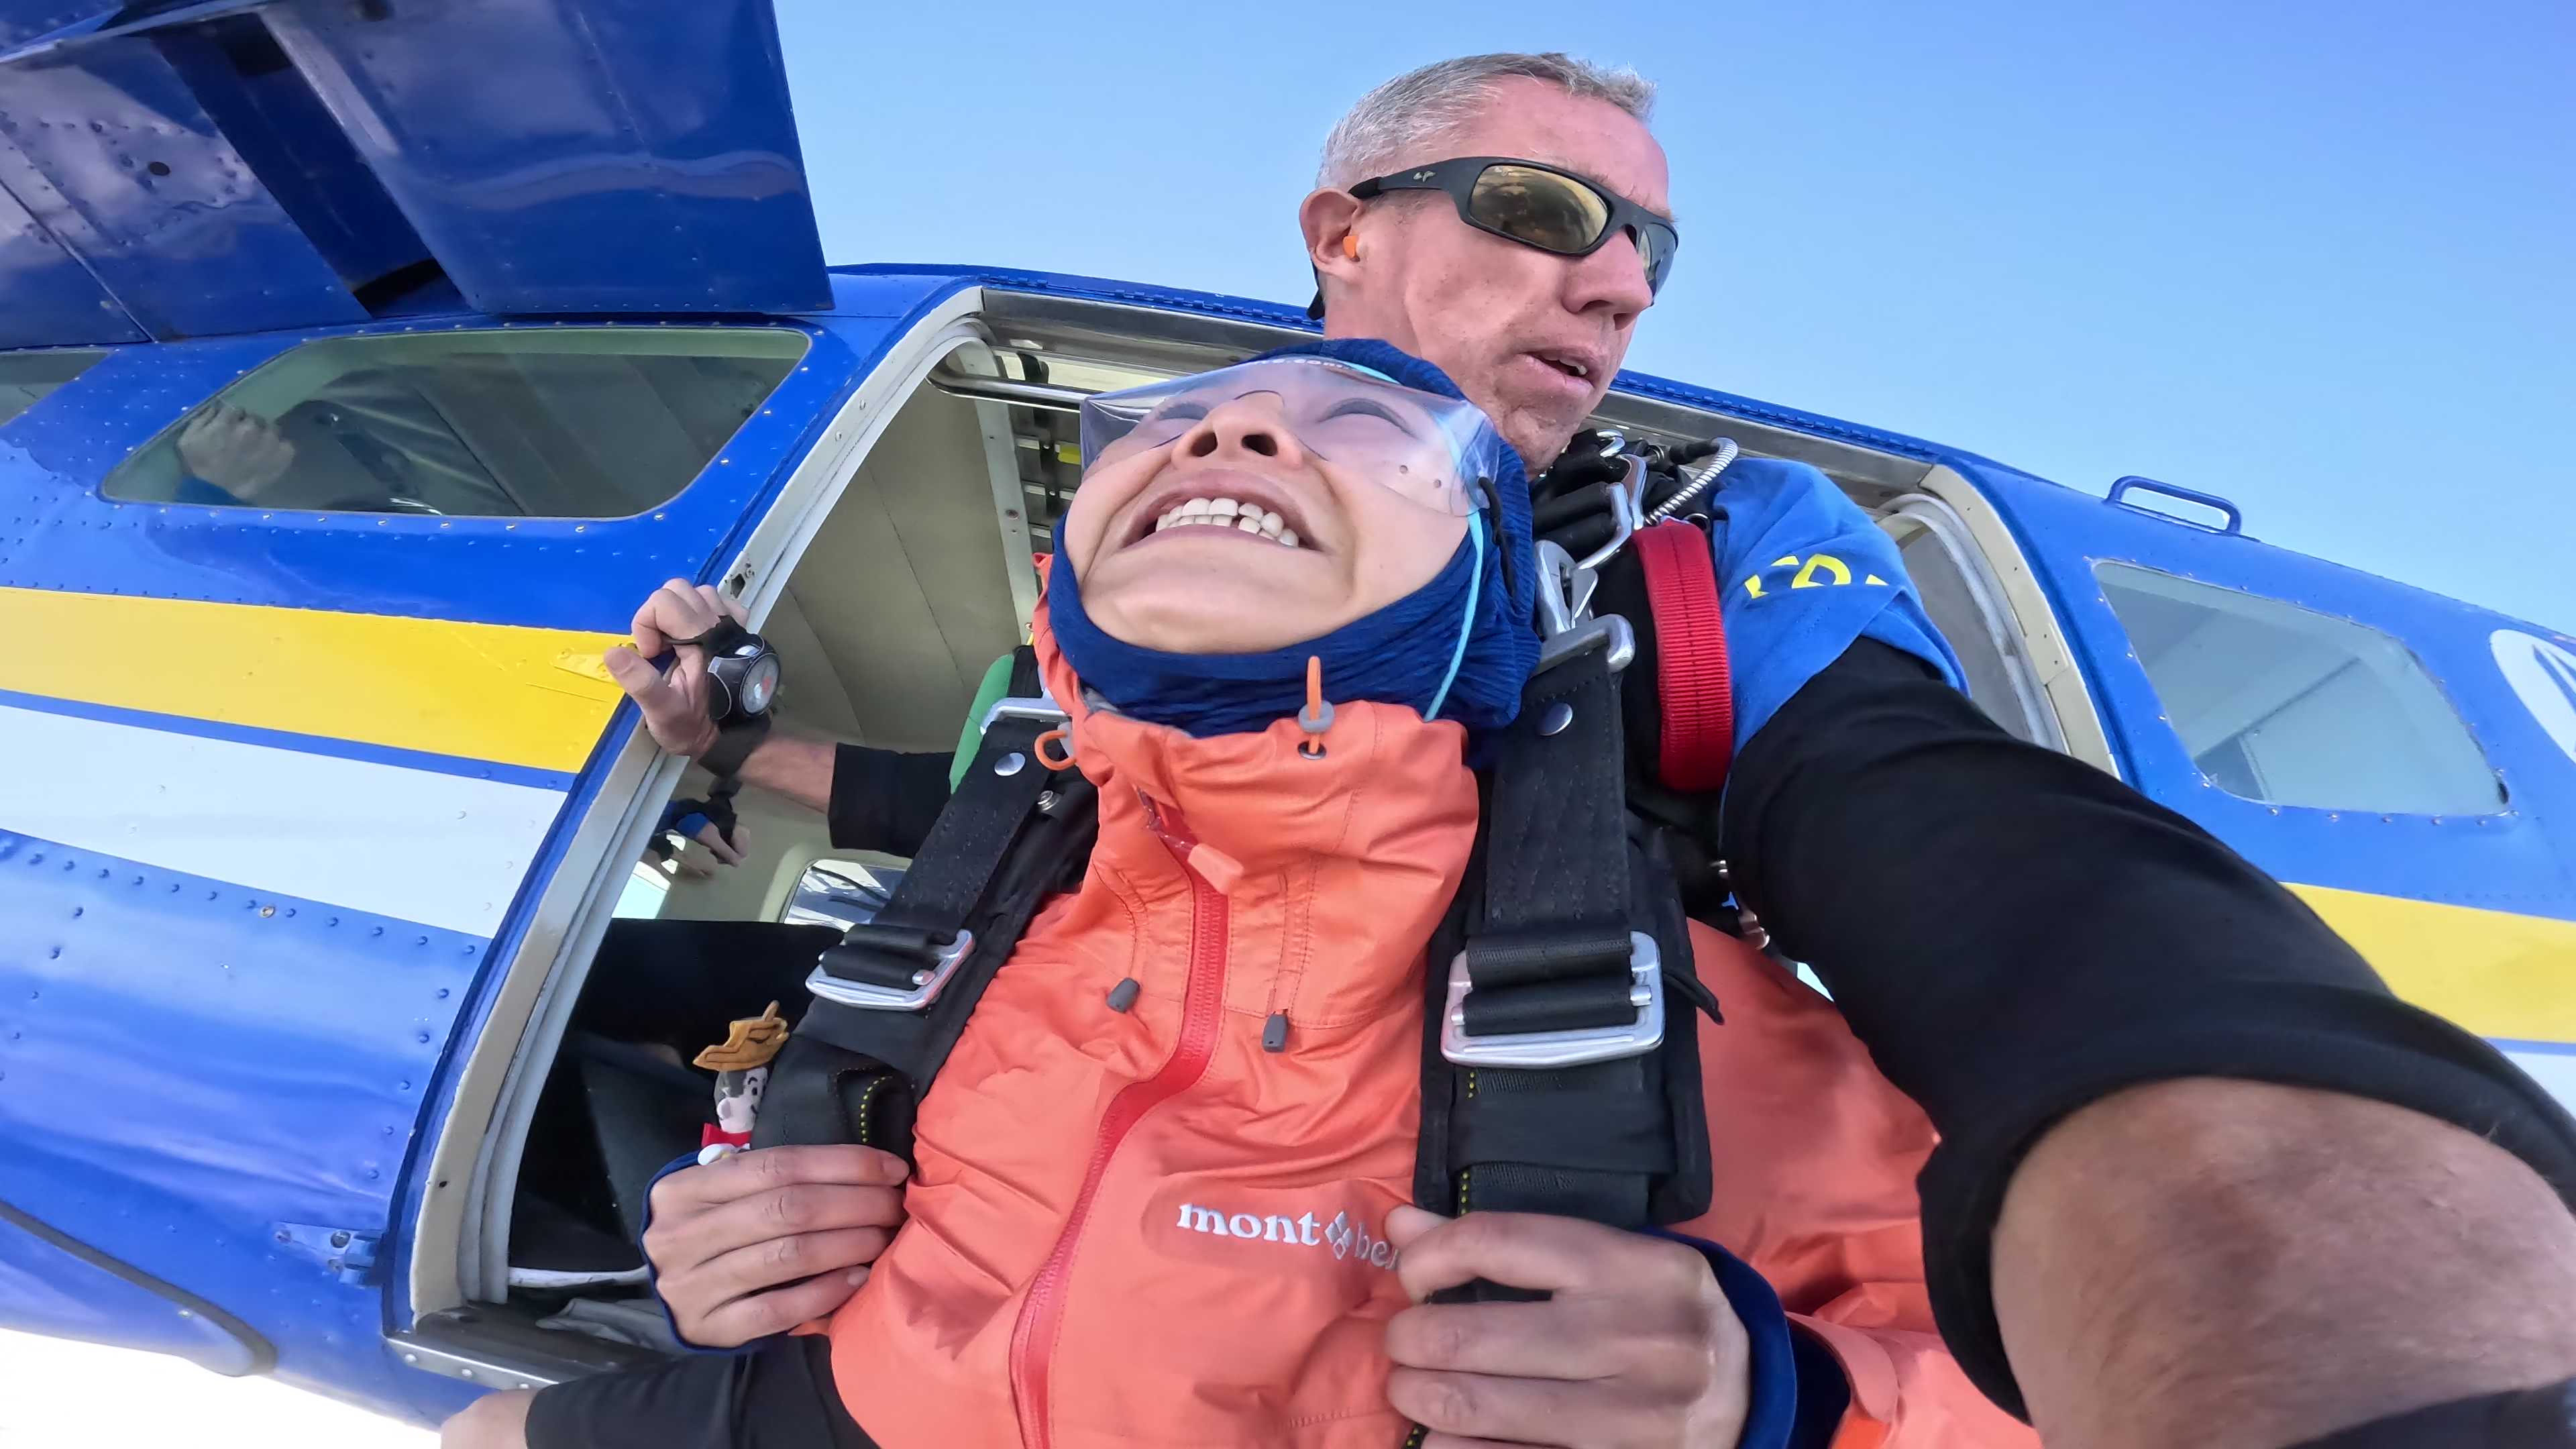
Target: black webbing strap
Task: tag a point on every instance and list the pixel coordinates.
(1012, 835)
(1550, 947)
(1556, 888)
(955, 866)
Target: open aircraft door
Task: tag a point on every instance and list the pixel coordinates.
(866, 395)
(291, 783)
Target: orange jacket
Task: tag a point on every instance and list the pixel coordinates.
(1140, 1227)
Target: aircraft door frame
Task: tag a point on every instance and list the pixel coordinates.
(455, 1248)
(2015, 603)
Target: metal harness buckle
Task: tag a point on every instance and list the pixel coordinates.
(1042, 708)
(1627, 515)
(1565, 614)
(1609, 632)
(866, 996)
(1568, 1048)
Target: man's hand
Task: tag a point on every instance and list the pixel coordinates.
(725, 852)
(674, 703)
(241, 453)
(1636, 1346)
(494, 1421)
(765, 1240)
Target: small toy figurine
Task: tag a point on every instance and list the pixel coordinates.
(741, 1064)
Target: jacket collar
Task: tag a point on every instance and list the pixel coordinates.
(1362, 848)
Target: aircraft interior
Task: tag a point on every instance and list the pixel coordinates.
(915, 579)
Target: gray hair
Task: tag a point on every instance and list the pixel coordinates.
(1413, 110)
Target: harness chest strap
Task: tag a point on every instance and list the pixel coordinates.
(891, 1000)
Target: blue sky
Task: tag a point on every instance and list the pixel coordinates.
(2320, 258)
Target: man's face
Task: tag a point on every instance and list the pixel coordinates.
(1513, 325)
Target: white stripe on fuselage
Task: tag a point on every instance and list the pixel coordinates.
(443, 850)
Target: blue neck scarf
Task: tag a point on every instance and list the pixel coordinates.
(1462, 645)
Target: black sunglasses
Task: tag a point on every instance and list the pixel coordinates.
(1540, 206)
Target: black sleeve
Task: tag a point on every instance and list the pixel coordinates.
(776, 1393)
(2541, 1418)
(2014, 933)
(885, 799)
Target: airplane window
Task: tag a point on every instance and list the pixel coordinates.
(26, 377)
(2292, 707)
(569, 422)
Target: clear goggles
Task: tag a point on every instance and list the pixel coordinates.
(1436, 451)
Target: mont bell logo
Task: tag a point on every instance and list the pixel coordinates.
(1343, 1237)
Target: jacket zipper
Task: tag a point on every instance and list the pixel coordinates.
(1042, 1312)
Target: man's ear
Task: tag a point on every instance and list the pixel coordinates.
(1330, 220)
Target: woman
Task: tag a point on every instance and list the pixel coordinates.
(1154, 1186)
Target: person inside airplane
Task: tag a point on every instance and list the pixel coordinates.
(1290, 606)
(434, 424)
(231, 455)
(1940, 877)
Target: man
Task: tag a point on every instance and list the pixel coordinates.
(2202, 1181)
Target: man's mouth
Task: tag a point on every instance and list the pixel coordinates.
(1576, 365)
(1241, 516)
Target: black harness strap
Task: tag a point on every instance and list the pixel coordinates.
(892, 998)
(1541, 1090)
(1551, 948)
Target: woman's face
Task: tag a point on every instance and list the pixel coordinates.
(1270, 507)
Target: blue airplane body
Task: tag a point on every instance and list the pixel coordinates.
(259, 996)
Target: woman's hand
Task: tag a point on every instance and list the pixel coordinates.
(1636, 1346)
(762, 1241)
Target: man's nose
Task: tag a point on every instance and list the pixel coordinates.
(1244, 425)
(1611, 280)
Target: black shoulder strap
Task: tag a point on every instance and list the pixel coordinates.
(891, 1000)
(1025, 683)
(1560, 1058)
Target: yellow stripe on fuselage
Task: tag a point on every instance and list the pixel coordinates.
(2495, 973)
(530, 697)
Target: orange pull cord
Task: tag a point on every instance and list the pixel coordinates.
(1317, 716)
(1054, 762)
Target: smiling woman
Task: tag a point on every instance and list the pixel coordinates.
(1396, 500)
(1369, 484)
(1422, 445)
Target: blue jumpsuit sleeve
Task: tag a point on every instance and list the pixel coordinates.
(196, 492)
(1802, 572)
(1795, 1393)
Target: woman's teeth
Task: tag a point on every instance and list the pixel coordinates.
(1227, 513)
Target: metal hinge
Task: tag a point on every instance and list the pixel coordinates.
(345, 1253)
